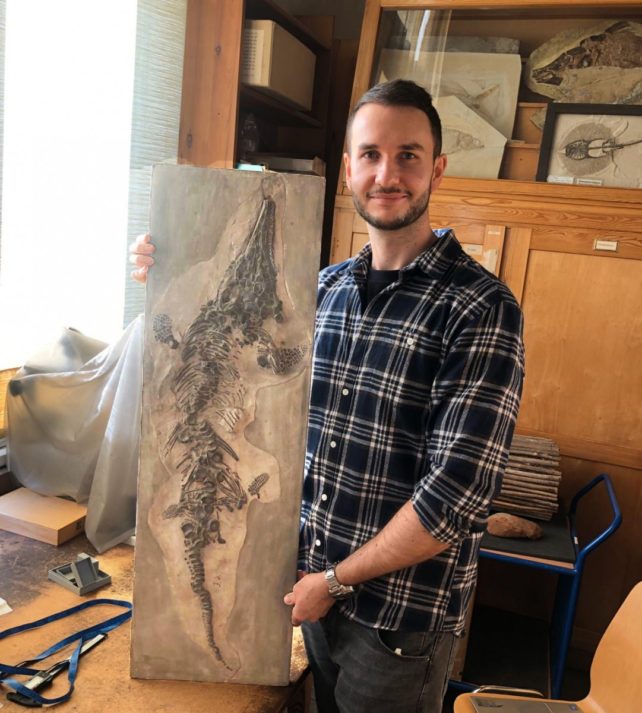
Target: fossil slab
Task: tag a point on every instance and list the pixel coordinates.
(601, 64)
(228, 334)
(473, 147)
(496, 45)
(486, 83)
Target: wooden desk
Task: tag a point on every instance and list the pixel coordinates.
(103, 682)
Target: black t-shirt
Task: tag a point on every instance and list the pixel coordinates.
(378, 280)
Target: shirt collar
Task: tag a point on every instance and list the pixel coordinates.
(428, 260)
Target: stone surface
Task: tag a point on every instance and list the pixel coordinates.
(229, 319)
(486, 83)
(501, 524)
(601, 64)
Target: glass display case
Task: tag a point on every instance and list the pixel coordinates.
(492, 70)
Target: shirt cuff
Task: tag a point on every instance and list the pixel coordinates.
(440, 520)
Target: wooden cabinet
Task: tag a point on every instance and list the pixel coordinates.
(214, 99)
(483, 241)
(572, 255)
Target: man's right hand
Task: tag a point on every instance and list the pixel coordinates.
(140, 254)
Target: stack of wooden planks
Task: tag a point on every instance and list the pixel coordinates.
(532, 478)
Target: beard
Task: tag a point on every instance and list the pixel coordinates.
(415, 210)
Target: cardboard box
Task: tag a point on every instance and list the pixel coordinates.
(274, 61)
(41, 517)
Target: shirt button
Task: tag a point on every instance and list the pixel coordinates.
(317, 543)
(324, 497)
(345, 392)
(410, 341)
(333, 444)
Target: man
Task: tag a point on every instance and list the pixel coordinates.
(417, 375)
(416, 382)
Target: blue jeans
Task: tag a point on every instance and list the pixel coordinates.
(357, 669)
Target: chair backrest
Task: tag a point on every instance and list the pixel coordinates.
(616, 671)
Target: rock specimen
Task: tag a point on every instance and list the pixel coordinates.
(601, 148)
(501, 524)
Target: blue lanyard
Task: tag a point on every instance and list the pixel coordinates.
(79, 636)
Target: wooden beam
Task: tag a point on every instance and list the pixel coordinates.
(213, 35)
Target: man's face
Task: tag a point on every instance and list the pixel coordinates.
(390, 168)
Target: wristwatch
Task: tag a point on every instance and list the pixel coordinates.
(335, 588)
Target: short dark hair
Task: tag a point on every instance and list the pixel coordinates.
(401, 92)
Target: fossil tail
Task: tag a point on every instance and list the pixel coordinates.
(197, 582)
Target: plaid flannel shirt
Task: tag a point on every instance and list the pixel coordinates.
(414, 397)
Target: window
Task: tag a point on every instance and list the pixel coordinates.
(90, 103)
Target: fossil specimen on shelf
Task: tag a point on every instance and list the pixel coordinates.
(601, 64)
(474, 148)
(487, 84)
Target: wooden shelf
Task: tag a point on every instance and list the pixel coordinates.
(268, 10)
(275, 110)
(213, 94)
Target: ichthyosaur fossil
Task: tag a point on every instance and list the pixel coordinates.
(209, 395)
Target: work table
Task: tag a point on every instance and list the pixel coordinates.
(103, 682)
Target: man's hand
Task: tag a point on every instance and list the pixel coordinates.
(140, 254)
(309, 598)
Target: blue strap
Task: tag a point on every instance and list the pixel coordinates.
(80, 636)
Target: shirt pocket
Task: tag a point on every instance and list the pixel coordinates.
(415, 364)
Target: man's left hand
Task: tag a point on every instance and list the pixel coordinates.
(309, 598)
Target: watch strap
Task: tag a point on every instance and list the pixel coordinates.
(335, 588)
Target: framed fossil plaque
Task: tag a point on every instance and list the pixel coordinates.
(592, 144)
(228, 333)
